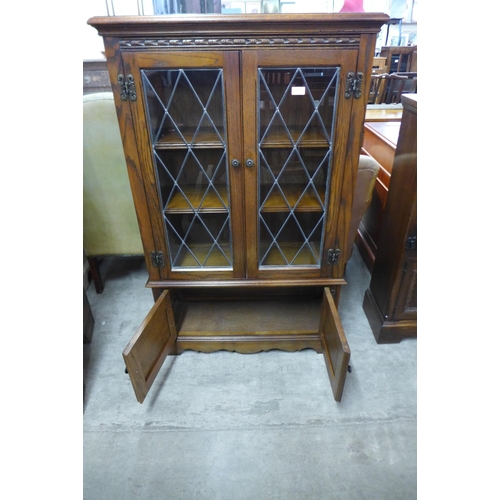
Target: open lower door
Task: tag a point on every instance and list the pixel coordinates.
(148, 348)
(335, 347)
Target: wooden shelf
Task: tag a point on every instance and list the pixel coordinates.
(308, 203)
(216, 259)
(251, 317)
(305, 258)
(274, 203)
(205, 139)
(209, 139)
(273, 258)
(212, 203)
(313, 138)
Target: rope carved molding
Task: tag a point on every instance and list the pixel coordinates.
(210, 42)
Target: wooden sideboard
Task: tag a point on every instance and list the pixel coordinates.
(383, 113)
(390, 302)
(380, 140)
(96, 76)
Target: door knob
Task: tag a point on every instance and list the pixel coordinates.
(249, 163)
(235, 163)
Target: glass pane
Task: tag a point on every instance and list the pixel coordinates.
(199, 240)
(192, 180)
(296, 127)
(187, 129)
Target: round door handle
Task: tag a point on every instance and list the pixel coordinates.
(249, 163)
(235, 163)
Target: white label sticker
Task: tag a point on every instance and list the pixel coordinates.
(298, 91)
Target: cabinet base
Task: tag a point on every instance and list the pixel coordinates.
(244, 326)
(248, 326)
(386, 331)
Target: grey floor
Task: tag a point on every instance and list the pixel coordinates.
(231, 426)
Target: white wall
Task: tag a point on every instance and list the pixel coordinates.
(93, 46)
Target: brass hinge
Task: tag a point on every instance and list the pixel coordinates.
(354, 85)
(333, 256)
(157, 259)
(127, 88)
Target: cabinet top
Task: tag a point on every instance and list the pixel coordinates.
(239, 25)
(409, 102)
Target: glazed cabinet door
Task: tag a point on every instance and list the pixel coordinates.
(295, 146)
(189, 147)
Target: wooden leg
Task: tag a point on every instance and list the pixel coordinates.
(88, 320)
(95, 274)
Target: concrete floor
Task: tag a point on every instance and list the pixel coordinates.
(231, 426)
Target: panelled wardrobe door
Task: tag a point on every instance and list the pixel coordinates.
(294, 158)
(190, 160)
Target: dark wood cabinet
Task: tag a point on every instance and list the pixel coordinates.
(380, 140)
(391, 300)
(95, 76)
(242, 137)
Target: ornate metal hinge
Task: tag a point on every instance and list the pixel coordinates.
(157, 259)
(411, 243)
(354, 85)
(333, 256)
(127, 88)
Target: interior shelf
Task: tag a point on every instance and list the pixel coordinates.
(194, 197)
(204, 139)
(200, 251)
(211, 203)
(308, 203)
(312, 138)
(290, 249)
(306, 257)
(249, 317)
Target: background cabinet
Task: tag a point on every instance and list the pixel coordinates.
(400, 59)
(380, 141)
(95, 77)
(391, 300)
(242, 137)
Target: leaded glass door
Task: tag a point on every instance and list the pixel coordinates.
(297, 163)
(186, 142)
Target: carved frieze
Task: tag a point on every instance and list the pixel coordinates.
(238, 42)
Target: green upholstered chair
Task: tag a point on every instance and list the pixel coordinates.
(368, 170)
(110, 225)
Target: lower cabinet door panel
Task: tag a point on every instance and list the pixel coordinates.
(148, 348)
(244, 326)
(335, 347)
